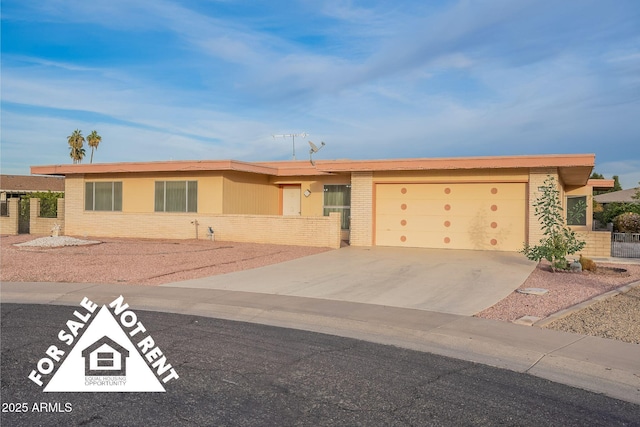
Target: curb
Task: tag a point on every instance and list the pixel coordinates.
(616, 260)
(581, 306)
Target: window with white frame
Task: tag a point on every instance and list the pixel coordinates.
(337, 198)
(103, 196)
(577, 210)
(176, 196)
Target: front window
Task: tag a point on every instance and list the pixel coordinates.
(577, 210)
(176, 196)
(103, 196)
(337, 198)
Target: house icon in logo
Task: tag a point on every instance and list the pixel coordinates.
(105, 357)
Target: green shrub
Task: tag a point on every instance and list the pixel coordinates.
(628, 222)
(559, 240)
(612, 210)
(48, 202)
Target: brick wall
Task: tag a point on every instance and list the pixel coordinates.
(361, 209)
(285, 230)
(598, 243)
(9, 224)
(44, 226)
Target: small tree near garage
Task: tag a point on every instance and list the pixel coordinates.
(559, 240)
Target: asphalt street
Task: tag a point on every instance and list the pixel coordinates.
(241, 374)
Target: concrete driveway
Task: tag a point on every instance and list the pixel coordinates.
(446, 281)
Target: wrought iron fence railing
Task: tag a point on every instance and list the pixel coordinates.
(625, 245)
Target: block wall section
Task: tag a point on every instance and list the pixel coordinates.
(282, 230)
(537, 176)
(9, 224)
(598, 243)
(39, 226)
(361, 233)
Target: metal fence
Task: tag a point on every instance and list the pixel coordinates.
(625, 245)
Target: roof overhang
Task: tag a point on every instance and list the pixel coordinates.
(574, 169)
(166, 166)
(601, 184)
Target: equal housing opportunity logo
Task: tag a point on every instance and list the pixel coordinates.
(105, 350)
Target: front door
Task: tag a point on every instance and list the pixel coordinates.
(291, 200)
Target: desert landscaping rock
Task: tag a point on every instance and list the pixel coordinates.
(133, 261)
(155, 262)
(566, 289)
(617, 318)
(614, 318)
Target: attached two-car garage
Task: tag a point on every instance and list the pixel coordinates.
(450, 215)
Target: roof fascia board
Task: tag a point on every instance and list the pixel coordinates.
(169, 166)
(324, 167)
(458, 163)
(601, 183)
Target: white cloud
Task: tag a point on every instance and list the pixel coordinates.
(465, 78)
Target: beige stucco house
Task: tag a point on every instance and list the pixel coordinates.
(481, 203)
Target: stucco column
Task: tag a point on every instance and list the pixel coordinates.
(361, 233)
(537, 176)
(60, 215)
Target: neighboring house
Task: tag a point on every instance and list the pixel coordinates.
(458, 203)
(622, 196)
(15, 187)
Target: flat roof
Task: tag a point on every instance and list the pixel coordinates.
(573, 168)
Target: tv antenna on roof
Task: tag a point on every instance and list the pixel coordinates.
(314, 149)
(293, 137)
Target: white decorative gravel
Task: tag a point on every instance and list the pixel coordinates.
(57, 241)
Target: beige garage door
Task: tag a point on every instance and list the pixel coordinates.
(455, 216)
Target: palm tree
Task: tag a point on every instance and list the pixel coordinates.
(76, 141)
(77, 154)
(93, 140)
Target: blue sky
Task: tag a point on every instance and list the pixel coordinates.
(211, 79)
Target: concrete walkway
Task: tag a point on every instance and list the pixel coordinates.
(446, 281)
(591, 363)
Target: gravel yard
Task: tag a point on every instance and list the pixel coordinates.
(155, 262)
(134, 261)
(617, 317)
(565, 290)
